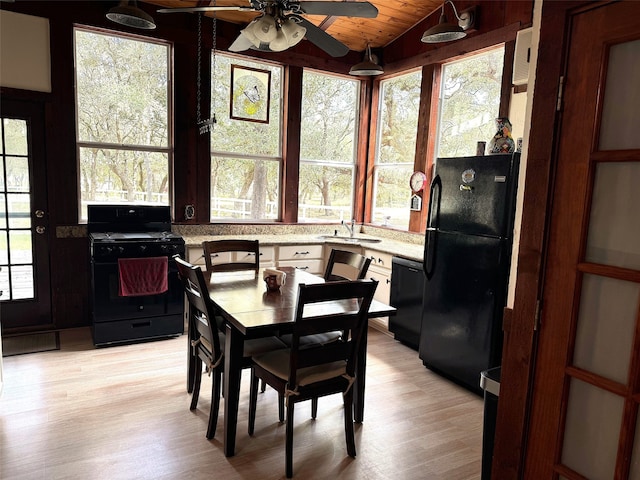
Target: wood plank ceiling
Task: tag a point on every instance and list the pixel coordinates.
(394, 18)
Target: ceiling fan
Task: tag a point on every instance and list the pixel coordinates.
(281, 25)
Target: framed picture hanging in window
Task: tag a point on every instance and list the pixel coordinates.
(250, 94)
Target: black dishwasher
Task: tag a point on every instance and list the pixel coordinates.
(407, 284)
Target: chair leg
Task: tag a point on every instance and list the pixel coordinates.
(289, 439)
(314, 407)
(215, 403)
(196, 384)
(253, 400)
(348, 423)
(281, 407)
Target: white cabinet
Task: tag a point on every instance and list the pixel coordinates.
(267, 256)
(195, 256)
(303, 257)
(380, 270)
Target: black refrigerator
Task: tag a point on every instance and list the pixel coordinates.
(466, 264)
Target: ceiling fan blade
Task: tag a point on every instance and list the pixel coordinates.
(206, 9)
(339, 9)
(322, 39)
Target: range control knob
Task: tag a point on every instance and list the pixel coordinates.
(142, 248)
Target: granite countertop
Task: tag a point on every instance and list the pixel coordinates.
(411, 251)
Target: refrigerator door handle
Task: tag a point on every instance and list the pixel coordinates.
(433, 223)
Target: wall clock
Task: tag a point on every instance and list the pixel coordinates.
(417, 181)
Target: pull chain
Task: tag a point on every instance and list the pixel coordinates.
(205, 126)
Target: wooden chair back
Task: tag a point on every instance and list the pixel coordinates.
(201, 311)
(350, 266)
(321, 308)
(213, 249)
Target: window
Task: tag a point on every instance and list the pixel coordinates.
(16, 240)
(246, 156)
(328, 139)
(469, 103)
(122, 97)
(395, 149)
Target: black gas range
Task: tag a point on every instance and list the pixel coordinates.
(140, 235)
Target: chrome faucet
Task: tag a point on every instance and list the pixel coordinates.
(350, 229)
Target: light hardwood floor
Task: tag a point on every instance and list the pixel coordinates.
(123, 413)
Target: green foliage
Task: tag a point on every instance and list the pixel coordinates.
(399, 109)
(328, 137)
(122, 100)
(469, 103)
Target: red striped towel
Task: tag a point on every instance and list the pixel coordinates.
(142, 276)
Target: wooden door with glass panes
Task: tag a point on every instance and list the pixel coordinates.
(25, 296)
(586, 393)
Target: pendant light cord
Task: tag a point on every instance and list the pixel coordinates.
(205, 126)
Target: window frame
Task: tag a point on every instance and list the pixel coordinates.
(428, 120)
(354, 164)
(374, 148)
(254, 63)
(168, 150)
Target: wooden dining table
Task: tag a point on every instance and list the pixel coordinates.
(251, 311)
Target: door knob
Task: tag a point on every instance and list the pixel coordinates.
(40, 229)
(39, 213)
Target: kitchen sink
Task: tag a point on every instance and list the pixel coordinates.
(351, 239)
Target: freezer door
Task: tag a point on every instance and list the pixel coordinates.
(478, 194)
(461, 333)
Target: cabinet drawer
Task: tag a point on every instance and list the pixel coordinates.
(267, 255)
(379, 259)
(312, 266)
(195, 256)
(299, 252)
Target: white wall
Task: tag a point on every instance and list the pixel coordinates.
(25, 57)
(537, 12)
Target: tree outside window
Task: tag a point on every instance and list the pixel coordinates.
(122, 99)
(395, 149)
(328, 139)
(246, 156)
(469, 103)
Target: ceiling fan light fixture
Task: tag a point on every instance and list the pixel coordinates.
(265, 29)
(445, 31)
(368, 67)
(249, 34)
(293, 32)
(128, 14)
(279, 44)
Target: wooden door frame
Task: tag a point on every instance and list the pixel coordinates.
(33, 314)
(520, 335)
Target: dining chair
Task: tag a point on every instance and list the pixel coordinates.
(301, 373)
(204, 338)
(206, 341)
(215, 261)
(345, 265)
(248, 249)
(342, 265)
